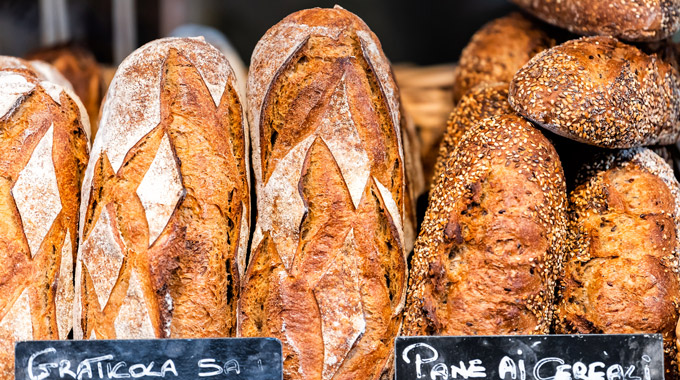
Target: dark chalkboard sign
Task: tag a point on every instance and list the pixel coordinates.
(554, 357)
(210, 359)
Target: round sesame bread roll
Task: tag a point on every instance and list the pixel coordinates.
(602, 92)
(632, 20)
(621, 274)
(492, 242)
(484, 100)
(497, 51)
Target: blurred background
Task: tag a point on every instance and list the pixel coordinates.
(423, 31)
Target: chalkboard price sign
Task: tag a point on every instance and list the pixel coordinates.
(210, 359)
(547, 357)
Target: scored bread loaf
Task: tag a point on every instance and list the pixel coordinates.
(484, 100)
(633, 20)
(165, 210)
(621, 274)
(602, 92)
(81, 69)
(497, 51)
(492, 242)
(327, 272)
(43, 156)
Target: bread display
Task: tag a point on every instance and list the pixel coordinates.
(492, 242)
(483, 101)
(622, 273)
(327, 271)
(43, 155)
(631, 20)
(81, 69)
(497, 51)
(165, 211)
(599, 91)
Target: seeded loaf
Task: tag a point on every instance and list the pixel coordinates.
(483, 101)
(621, 274)
(43, 155)
(327, 272)
(497, 51)
(165, 206)
(602, 92)
(632, 20)
(492, 242)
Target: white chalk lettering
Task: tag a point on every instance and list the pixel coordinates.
(507, 366)
(45, 371)
(615, 372)
(209, 363)
(168, 366)
(419, 360)
(65, 369)
(439, 371)
(232, 366)
(113, 372)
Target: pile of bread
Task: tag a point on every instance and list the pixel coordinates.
(153, 220)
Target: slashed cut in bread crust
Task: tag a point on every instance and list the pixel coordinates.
(327, 270)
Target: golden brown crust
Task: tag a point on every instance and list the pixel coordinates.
(497, 51)
(484, 100)
(36, 278)
(602, 92)
(327, 273)
(633, 20)
(492, 241)
(81, 69)
(167, 264)
(622, 272)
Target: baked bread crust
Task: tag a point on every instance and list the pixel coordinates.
(327, 270)
(43, 155)
(483, 101)
(158, 264)
(602, 92)
(492, 242)
(497, 51)
(622, 273)
(632, 20)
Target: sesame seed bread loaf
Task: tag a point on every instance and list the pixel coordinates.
(484, 100)
(166, 199)
(621, 273)
(327, 270)
(492, 242)
(43, 155)
(497, 51)
(633, 20)
(599, 91)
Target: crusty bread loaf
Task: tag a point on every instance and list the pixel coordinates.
(621, 275)
(327, 272)
(632, 20)
(497, 51)
(82, 70)
(43, 155)
(492, 242)
(484, 100)
(414, 179)
(43, 71)
(600, 91)
(165, 206)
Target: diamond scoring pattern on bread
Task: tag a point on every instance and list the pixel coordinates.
(43, 152)
(179, 274)
(327, 270)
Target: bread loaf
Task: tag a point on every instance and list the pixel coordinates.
(497, 51)
(43, 71)
(165, 206)
(621, 275)
(631, 20)
(43, 155)
(483, 101)
(492, 242)
(327, 272)
(602, 92)
(81, 69)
